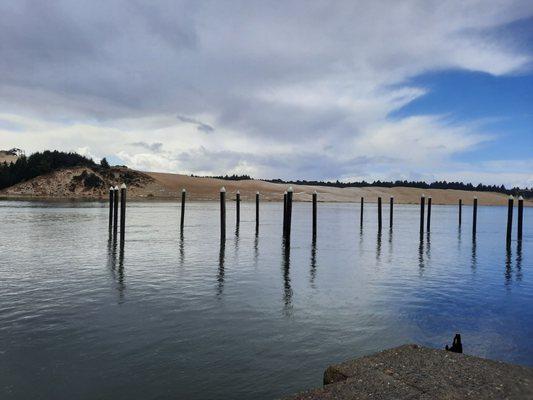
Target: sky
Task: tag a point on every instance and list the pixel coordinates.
(348, 90)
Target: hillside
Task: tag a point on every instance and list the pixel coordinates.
(94, 183)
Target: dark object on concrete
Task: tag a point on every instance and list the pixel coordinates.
(457, 346)
(415, 372)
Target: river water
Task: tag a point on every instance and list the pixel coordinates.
(184, 317)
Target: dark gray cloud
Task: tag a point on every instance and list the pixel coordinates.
(201, 126)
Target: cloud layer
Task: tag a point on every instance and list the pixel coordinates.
(276, 89)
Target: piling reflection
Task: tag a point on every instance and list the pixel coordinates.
(390, 246)
(313, 262)
(221, 260)
(473, 263)
(421, 264)
(428, 246)
(519, 261)
(287, 289)
(378, 246)
(182, 249)
(256, 250)
(117, 271)
(508, 266)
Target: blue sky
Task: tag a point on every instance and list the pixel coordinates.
(347, 90)
(502, 105)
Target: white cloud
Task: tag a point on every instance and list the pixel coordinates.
(291, 89)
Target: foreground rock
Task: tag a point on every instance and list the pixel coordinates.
(415, 372)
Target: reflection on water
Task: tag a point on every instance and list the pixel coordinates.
(313, 262)
(473, 263)
(66, 316)
(221, 259)
(287, 289)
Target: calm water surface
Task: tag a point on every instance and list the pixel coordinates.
(172, 317)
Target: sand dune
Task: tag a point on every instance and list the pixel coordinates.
(161, 186)
(208, 189)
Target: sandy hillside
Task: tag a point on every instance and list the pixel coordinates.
(208, 189)
(74, 183)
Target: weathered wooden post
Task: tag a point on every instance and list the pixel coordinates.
(422, 206)
(115, 210)
(429, 215)
(284, 213)
(256, 212)
(222, 213)
(111, 201)
(238, 207)
(510, 204)
(182, 220)
(315, 195)
(474, 217)
(122, 212)
(460, 211)
(520, 218)
(391, 211)
(379, 214)
(362, 207)
(289, 212)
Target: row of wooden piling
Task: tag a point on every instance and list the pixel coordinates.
(425, 216)
(114, 194)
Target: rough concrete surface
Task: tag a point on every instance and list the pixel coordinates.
(416, 372)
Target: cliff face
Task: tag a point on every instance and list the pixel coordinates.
(82, 182)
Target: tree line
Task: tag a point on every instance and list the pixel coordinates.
(41, 163)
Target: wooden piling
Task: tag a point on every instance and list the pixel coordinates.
(256, 212)
(289, 212)
(315, 195)
(429, 215)
(379, 214)
(122, 212)
(238, 207)
(284, 213)
(362, 208)
(422, 207)
(391, 212)
(111, 201)
(520, 218)
(222, 213)
(115, 209)
(182, 220)
(474, 217)
(460, 211)
(510, 204)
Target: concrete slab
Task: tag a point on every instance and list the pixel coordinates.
(416, 372)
